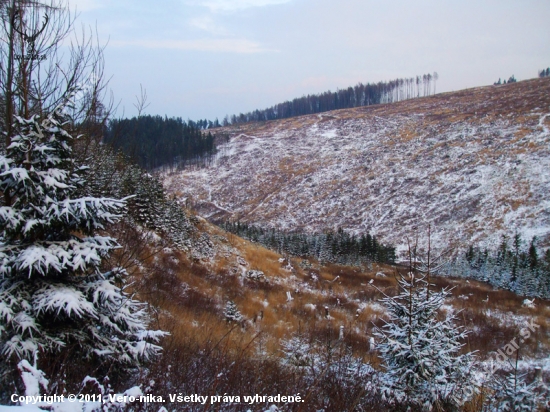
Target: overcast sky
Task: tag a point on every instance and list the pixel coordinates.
(207, 58)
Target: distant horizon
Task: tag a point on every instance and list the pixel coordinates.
(333, 90)
(186, 119)
(205, 59)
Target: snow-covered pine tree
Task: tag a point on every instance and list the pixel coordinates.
(149, 199)
(145, 207)
(232, 313)
(421, 355)
(53, 294)
(513, 393)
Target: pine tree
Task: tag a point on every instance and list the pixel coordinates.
(421, 354)
(533, 255)
(146, 206)
(513, 393)
(53, 294)
(231, 313)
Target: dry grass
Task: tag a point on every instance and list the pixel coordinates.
(341, 292)
(189, 297)
(262, 259)
(209, 355)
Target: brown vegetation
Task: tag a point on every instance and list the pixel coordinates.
(206, 354)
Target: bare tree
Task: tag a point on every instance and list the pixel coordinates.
(141, 101)
(42, 57)
(425, 82)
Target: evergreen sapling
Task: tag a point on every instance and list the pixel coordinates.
(232, 313)
(420, 353)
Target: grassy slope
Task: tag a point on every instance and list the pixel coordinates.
(473, 163)
(187, 297)
(461, 134)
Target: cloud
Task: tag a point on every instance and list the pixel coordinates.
(207, 24)
(86, 5)
(208, 45)
(232, 5)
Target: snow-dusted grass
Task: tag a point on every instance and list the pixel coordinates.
(472, 163)
(188, 297)
(323, 299)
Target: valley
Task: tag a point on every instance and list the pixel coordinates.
(391, 255)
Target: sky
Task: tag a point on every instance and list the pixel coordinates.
(204, 59)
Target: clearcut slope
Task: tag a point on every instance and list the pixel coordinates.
(475, 164)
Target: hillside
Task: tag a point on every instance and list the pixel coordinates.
(241, 320)
(117, 295)
(326, 313)
(473, 163)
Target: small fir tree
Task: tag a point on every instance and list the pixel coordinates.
(297, 351)
(231, 313)
(421, 354)
(513, 393)
(53, 294)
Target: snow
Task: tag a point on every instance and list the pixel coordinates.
(57, 298)
(529, 303)
(310, 306)
(33, 378)
(25, 408)
(385, 169)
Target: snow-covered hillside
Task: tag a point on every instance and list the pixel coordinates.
(475, 164)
